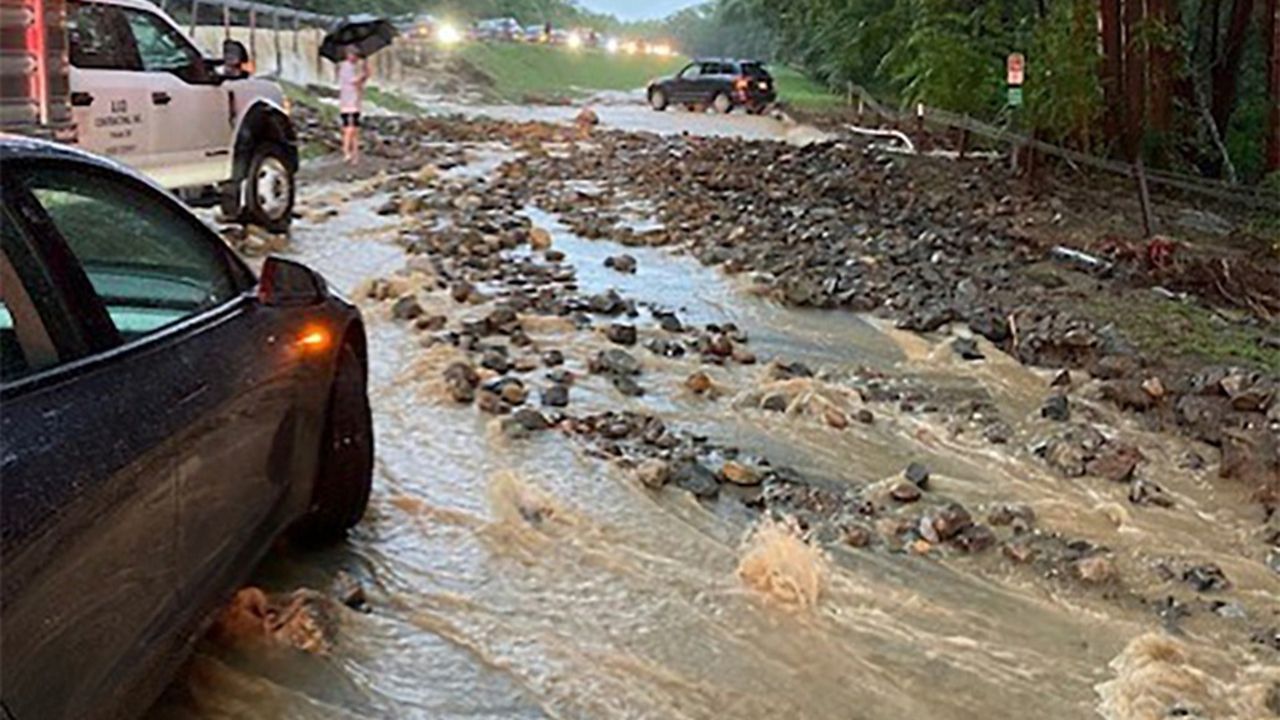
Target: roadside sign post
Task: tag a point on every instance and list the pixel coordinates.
(1015, 72)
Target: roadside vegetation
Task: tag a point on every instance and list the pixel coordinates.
(520, 71)
(1188, 93)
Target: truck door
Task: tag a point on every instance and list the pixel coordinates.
(111, 110)
(191, 110)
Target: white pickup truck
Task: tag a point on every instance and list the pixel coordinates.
(139, 90)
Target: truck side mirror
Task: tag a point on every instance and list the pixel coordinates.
(235, 59)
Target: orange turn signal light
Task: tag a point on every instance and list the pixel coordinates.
(314, 338)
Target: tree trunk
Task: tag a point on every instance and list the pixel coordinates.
(1226, 70)
(1111, 70)
(1271, 24)
(1135, 81)
(1163, 61)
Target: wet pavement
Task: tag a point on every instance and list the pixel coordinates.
(532, 577)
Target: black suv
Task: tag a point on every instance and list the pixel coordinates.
(721, 84)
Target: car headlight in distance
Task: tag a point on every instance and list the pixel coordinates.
(574, 40)
(448, 34)
(612, 45)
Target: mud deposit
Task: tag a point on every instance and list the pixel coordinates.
(613, 481)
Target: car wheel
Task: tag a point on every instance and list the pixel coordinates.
(658, 99)
(271, 189)
(344, 476)
(722, 103)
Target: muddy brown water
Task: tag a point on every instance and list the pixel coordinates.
(614, 601)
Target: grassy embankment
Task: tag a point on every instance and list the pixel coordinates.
(521, 72)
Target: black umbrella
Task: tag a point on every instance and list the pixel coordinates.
(368, 33)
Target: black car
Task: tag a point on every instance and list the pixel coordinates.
(164, 416)
(720, 84)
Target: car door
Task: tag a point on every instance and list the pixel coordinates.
(110, 105)
(198, 384)
(170, 283)
(192, 120)
(87, 490)
(682, 87)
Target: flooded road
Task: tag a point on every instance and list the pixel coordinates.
(512, 577)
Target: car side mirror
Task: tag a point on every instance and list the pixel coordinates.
(287, 283)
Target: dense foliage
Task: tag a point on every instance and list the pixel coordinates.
(1185, 83)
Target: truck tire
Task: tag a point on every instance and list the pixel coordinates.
(270, 189)
(344, 476)
(658, 99)
(722, 103)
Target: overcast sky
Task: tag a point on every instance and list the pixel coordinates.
(639, 9)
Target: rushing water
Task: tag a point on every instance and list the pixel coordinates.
(527, 579)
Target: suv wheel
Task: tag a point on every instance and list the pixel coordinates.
(658, 99)
(722, 103)
(271, 188)
(344, 475)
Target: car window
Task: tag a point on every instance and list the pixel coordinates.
(99, 38)
(150, 264)
(161, 48)
(710, 68)
(755, 70)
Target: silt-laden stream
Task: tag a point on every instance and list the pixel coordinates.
(527, 577)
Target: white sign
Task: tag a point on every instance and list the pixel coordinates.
(1017, 68)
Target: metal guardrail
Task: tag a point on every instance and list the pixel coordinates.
(296, 18)
(1251, 196)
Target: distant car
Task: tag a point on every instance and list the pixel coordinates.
(422, 25)
(719, 84)
(505, 29)
(167, 415)
(535, 33)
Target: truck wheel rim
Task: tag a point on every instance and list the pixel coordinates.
(272, 187)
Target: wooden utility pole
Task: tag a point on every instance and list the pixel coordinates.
(1271, 24)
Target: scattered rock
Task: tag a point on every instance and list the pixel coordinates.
(864, 416)
(540, 239)
(740, 474)
(607, 303)
(835, 418)
(614, 362)
(1056, 407)
(653, 473)
(1117, 463)
(627, 386)
(693, 476)
(556, 396)
(967, 349)
(905, 492)
(917, 474)
(621, 334)
(1206, 578)
(699, 383)
(1095, 569)
(621, 263)
(552, 358)
(531, 419)
(974, 539)
(406, 308)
